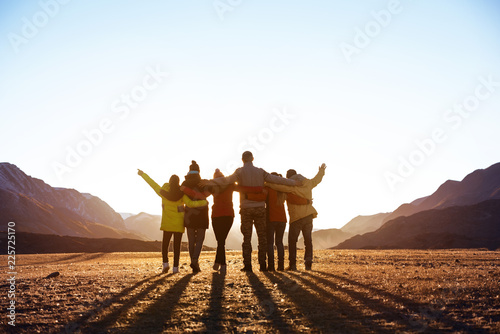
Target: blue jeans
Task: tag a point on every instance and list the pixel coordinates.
(305, 226)
(275, 231)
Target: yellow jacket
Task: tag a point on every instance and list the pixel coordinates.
(297, 212)
(172, 218)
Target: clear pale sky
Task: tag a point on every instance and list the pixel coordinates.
(395, 97)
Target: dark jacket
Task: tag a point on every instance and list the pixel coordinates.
(195, 217)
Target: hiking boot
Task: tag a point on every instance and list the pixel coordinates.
(309, 265)
(196, 267)
(175, 270)
(247, 268)
(166, 267)
(216, 266)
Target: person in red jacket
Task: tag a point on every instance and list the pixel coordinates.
(222, 220)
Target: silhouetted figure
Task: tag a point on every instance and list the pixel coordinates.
(222, 220)
(252, 212)
(301, 216)
(195, 219)
(172, 218)
(276, 223)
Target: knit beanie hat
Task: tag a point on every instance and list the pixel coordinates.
(194, 167)
(218, 173)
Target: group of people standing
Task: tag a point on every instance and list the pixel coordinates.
(262, 197)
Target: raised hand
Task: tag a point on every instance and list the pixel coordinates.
(323, 166)
(140, 172)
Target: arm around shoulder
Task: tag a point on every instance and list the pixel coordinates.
(193, 204)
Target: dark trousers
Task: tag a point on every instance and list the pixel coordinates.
(305, 226)
(249, 218)
(221, 226)
(196, 236)
(275, 232)
(165, 244)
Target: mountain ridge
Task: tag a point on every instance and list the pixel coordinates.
(35, 206)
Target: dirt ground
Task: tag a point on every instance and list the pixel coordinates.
(346, 292)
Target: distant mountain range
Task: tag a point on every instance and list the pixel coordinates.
(39, 208)
(364, 224)
(465, 226)
(324, 239)
(466, 202)
(457, 215)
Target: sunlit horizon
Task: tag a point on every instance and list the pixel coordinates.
(395, 97)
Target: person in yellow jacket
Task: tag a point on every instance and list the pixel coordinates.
(172, 218)
(301, 216)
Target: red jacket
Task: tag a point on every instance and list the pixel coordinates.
(223, 203)
(276, 209)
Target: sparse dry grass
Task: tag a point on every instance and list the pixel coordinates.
(347, 292)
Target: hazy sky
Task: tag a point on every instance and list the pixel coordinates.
(395, 97)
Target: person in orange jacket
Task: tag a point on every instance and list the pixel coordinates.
(222, 220)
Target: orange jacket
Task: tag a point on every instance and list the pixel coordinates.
(276, 210)
(223, 203)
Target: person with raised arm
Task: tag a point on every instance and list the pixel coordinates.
(172, 218)
(301, 216)
(276, 221)
(252, 212)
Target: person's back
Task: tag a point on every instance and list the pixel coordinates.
(299, 211)
(222, 220)
(251, 176)
(276, 207)
(301, 216)
(195, 217)
(253, 213)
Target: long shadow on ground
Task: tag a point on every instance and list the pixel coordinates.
(427, 312)
(268, 306)
(328, 314)
(213, 318)
(82, 322)
(155, 318)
